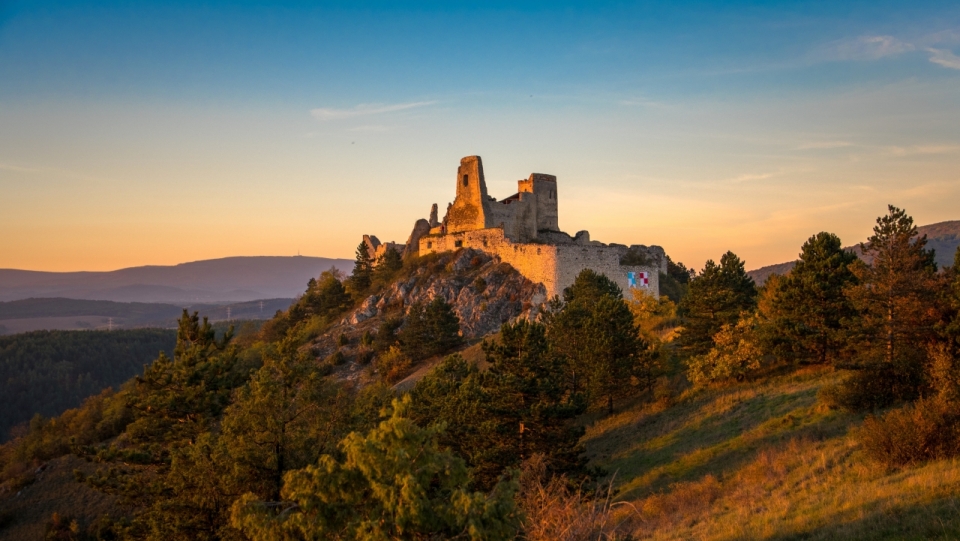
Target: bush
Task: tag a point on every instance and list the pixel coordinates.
(337, 358)
(868, 390)
(342, 340)
(393, 365)
(928, 429)
(735, 355)
(364, 356)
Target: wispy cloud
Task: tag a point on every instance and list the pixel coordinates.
(750, 177)
(866, 48)
(365, 109)
(944, 58)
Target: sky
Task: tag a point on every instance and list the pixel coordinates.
(140, 133)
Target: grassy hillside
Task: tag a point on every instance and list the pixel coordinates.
(764, 461)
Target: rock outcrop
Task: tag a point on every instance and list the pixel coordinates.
(484, 292)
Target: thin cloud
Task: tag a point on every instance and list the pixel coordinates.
(365, 109)
(944, 58)
(749, 177)
(867, 48)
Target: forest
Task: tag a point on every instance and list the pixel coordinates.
(249, 435)
(46, 372)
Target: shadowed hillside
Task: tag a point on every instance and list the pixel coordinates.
(28, 315)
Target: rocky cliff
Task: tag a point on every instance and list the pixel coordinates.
(484, 292)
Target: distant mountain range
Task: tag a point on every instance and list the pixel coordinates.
(231, 279)
(943, 237)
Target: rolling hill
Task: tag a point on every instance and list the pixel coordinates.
(231, 279)
(943, 237)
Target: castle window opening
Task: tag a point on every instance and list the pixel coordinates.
(458, 244)
(466, 178)
(429, 245)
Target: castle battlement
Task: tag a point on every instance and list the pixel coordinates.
(523, 231)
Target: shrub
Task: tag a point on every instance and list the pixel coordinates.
(342, 340)
(928, 429)
(366, 339)
(735, 355)
(364, 356)
(554, 512)
(393, 365)
(867, 390)
(337, 358)
(387, 333)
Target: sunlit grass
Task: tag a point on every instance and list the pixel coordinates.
(765, 461)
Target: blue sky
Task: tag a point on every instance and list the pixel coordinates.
(155, 133)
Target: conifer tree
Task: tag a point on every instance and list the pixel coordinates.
(594, 331)
(519, 407)
(896, 296)
(396, 482)
(717, 297)
(806, 313)
(362, 275)
(283, 419)
(533, 406)
(430, 329)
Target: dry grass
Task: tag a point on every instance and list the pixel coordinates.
(554, 511)
(765, 461)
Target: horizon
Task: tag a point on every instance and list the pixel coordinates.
(165, 133)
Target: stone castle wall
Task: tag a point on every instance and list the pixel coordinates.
(555, 266)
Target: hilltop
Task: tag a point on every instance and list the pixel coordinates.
(943, 237)
(230, 279)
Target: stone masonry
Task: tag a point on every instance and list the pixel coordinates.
(523, 231)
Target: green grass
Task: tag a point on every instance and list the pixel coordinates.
(764, 460)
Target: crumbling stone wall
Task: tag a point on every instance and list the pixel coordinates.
(554, 266)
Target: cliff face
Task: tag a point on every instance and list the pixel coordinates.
(484, 292)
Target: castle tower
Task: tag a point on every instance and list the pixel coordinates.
(467, 212)
(544, 187)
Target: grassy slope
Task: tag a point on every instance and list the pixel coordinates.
(24, 515)
(765, 461)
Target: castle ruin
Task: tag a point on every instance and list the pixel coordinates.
(523, 231)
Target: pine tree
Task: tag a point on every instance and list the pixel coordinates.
(806, 313)
(896, 296)
(519, 407)
(717, 297)
(429, 329)
(396, 482)
(283, 419)
(593, 330)
(362, 275)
